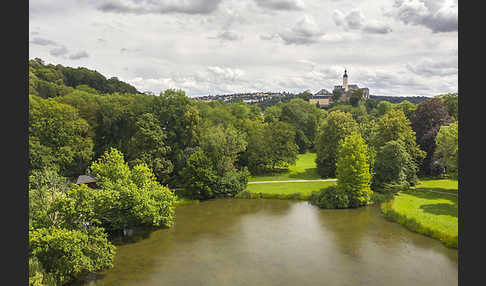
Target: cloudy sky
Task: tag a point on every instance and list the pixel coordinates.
(393, 47)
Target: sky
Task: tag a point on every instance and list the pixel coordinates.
(209, 47)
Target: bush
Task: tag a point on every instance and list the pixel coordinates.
(37, 274)
(68, 253)
(330, 198)
(381, 198)
(231, 183)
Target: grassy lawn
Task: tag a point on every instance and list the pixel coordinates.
(443, 185)
(427, 212)
(305, 188)
(304, 169)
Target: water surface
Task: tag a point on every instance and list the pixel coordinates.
(281, 242)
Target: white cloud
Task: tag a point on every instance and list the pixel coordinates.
(304, 32)
(436, 15)
(248, 45)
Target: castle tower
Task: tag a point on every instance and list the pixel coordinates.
(345, 81)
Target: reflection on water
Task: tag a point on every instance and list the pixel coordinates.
(280, 242)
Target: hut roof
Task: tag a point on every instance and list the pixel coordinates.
(85, 179)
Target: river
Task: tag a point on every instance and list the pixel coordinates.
(280, 242)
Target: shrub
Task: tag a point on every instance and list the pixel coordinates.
(330, 198)
(37, 274)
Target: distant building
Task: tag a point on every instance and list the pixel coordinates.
(323, 98)
(347, 89)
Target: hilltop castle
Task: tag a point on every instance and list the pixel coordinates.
(324, 97)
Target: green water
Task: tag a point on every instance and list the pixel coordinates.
(280, 242)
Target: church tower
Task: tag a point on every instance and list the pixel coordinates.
(345, 81)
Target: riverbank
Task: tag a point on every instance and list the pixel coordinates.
(430, 209)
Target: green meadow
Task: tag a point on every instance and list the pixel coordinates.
(430, 209)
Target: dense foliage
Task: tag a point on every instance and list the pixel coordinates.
(393, 166)
(335, 128)
(447, 149)
(353, 170)
(427, 119)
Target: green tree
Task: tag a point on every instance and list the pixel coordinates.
(353, 170)
(407, 107)
(393, 166)
(430, 115)
(335, 128)
(58, 137)
(336, 96)
(447, 148)
(45, 186)
(273, 113)
(148, 146)
(305, 118)
(356, 97)
(451, 100)
(179, 118)
(68, 253)
(395, 126)
(200, 177)
(383, 108)
(128, 197)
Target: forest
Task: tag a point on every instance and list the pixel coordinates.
(149, 151)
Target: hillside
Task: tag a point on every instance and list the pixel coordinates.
(48, 80)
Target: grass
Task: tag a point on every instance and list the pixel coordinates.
(429, 213)
(304, 169)
(282, 190)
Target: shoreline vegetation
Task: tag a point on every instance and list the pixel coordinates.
(429, 208)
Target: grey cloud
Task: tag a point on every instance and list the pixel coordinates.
(43, 42)
(79, 55)
(355, 20)
(437, 15)
(281, 4)
(430, 68)
(159, 7)
(304, 32)
(226, 36)
(59, 51)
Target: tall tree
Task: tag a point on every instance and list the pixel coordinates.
(335, 128)
(148, 146)
(394, 126)
(451, 100)
(58, 137)
(393, 166)
(447, 148)
(430, 115)
(353, 170)
(305, 118)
